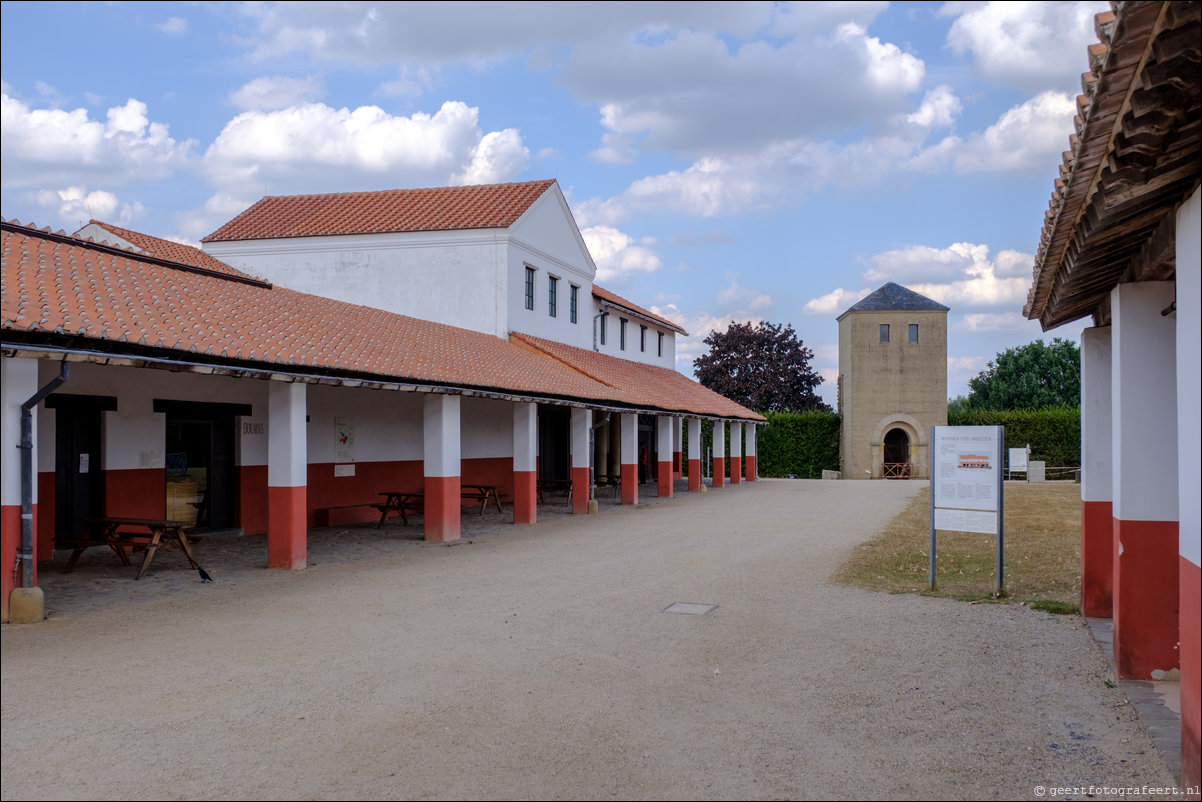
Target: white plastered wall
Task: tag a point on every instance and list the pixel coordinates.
(1189, 356)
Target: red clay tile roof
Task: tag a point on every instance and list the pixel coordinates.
(391, 211)
(169, 251)
(58, 289)
(673, 391)
(1134, 159)
(609, 297)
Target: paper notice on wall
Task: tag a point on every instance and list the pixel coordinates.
(84, 460)
(344, 440)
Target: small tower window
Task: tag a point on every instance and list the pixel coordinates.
(913, 332)
(884, 332)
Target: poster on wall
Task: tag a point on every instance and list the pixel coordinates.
(966, 484)
(344, 440)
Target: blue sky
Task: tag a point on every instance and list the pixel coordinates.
(724, 161)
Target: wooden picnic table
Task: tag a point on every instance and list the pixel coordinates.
(399, 501)
(114, 531)
(555, 486)
(483, 494)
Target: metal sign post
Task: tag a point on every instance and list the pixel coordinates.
(967, 486)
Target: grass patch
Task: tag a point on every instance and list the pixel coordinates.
(1041, 560)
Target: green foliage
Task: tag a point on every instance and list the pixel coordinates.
(1053, 434)
(1032, 376)
(798, 444)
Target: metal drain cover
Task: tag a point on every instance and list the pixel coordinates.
(689, 608)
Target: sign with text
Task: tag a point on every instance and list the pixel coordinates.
(966, 484)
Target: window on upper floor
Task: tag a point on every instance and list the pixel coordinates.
(660, 336)
(913, 332)
(604, 320)
(552, 295)
(643, 338)
(529, 287)
(884, 332)
(622, 333)
(573, 302)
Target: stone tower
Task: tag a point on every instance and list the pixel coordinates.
(892, 383)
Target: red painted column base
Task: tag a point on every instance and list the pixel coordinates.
(525, 497)
(1097, 559)
(441, 508)
(736, 470)
(1145, 598)
(665, 480)
(630, 484)
(286, 527)
(580, 491)
(1191, 698)
(10, 544)
(694, 475)
(719, 471)
(749, 468)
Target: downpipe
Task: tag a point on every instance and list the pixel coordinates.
(24, 565)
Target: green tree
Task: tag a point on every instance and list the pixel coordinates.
(1032, 376)
(763, 367)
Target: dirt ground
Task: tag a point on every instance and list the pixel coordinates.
(546, 662)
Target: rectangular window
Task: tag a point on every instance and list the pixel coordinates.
(643, 338)
(913, 332)
(884, 332)
(661, 343)
(552, 295)
(622, 333)
(604, 320)
(573, 300)
(529, 287)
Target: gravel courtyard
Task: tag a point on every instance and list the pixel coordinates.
(543, 663)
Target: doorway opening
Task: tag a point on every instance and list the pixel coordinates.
(897, 455)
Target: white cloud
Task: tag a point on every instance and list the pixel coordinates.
(1021, 44)
(940, 108)
(173, 26)
(961, 274)
(51, 147)
(315, 148)
(275, 92)
(616, 255)
(834, 303)
(78, 205)
(1029, 136)
(991, 322)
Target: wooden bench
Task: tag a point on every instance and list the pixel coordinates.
(483, 494)
(555, 486)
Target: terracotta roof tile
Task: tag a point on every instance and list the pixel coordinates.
(58, 288)
(169, 251)
(391, 211)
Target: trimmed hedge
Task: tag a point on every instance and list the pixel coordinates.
(798, 444)
(1054, 434)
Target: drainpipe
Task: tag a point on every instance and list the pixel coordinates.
(25, 555)
(604, 311)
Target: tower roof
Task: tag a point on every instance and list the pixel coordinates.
(896, 298)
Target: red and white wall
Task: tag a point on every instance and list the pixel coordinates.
(1189, 413)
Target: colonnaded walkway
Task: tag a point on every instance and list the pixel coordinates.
(548, 662)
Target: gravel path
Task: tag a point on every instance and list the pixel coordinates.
(537, 663)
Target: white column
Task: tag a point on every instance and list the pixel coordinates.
(719, 460)
(663, 469)
(582, 421)
(287, 476)
(525, 463)
(630, 458)
(441, 452)
(694, 454)
(1144, 435)
(750, 458)
(1189, 390)
(1097, 513)
(736, 453)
